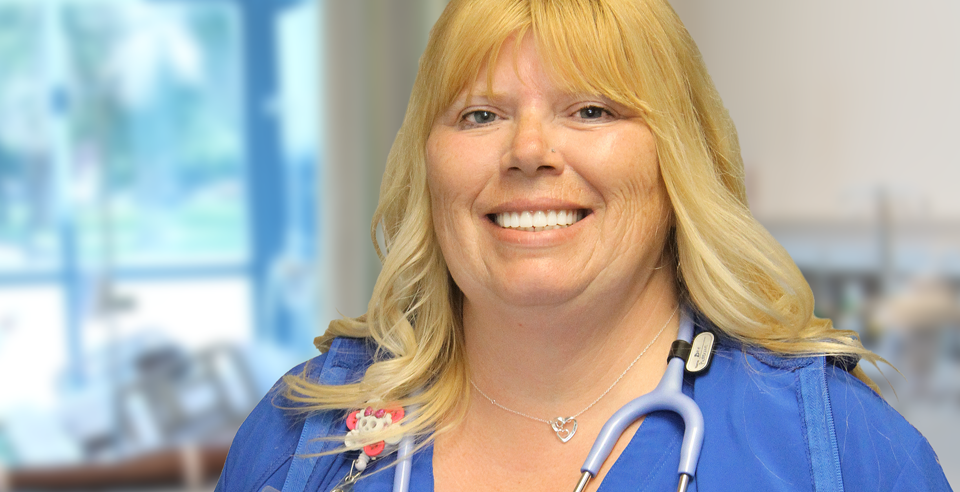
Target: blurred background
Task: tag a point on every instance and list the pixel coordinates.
(186, 188)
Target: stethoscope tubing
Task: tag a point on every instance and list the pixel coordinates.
(668, 396)
(401, 480)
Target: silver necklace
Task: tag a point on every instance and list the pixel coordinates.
(560, 424)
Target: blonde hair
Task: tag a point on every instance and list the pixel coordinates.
(637, 53)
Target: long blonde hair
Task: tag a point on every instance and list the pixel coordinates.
(637, 53)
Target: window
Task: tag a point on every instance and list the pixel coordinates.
(151, 188)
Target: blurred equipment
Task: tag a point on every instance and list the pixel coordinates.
(921, 321)
(168, 421)
(181, 398)
(164, 398)
(926, 302)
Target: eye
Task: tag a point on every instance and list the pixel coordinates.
(480, 117)
(592, 112)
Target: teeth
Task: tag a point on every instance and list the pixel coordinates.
(526, 220)
(538, 220)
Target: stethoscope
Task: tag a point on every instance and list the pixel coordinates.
(686, 354)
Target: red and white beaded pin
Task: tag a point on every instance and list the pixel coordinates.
(364, 422)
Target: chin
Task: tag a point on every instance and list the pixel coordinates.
(521, 284)
(546, 293)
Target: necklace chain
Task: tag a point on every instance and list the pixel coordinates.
(588, 407)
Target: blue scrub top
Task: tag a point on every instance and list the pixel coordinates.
(771, 423)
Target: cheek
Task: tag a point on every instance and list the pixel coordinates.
(624, 169)
(443, 167)
(627, 176)
(447, 200)
(646, 204)
(660, 210)
(640, 168)
(438, 179)
(456, 176)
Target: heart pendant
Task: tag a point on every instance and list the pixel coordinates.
(559, 425)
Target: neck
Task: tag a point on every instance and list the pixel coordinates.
(543, 360)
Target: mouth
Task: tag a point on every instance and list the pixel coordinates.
(538, 220)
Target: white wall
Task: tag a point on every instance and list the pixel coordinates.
(370, 54)
(836, 99)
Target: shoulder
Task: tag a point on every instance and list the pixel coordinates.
(876, 444)
(263, 447)
(768, 403)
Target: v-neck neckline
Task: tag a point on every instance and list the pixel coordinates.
(641, 465)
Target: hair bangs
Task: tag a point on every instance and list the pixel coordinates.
(590, 46)
(591, 49)
(469, 38)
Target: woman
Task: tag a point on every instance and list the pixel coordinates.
(565, 187)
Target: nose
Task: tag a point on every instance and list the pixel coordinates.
(530, 150)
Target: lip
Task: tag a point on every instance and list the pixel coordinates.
(542, 239)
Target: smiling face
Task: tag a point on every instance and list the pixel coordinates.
(540, 196)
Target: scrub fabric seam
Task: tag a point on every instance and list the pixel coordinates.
(317, 424)
(820, 433)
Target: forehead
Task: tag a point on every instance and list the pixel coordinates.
(515, 63)
(518, 68)
(581, 51)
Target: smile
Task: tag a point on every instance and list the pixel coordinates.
(538, 220)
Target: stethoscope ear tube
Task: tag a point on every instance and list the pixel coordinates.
(668, 395)
(401, 478)
(684, 482)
